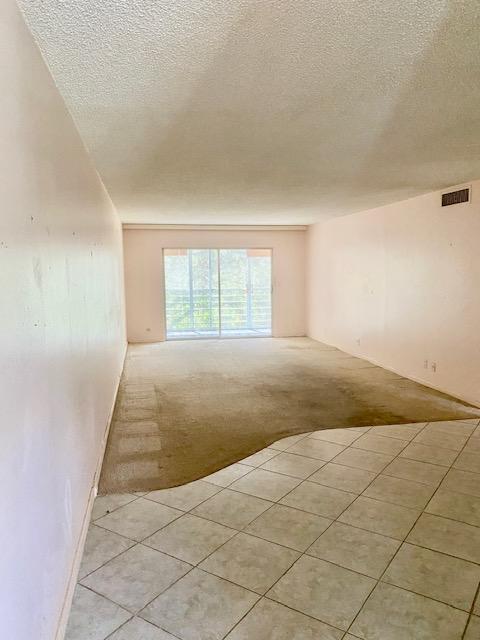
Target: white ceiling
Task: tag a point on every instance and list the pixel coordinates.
(267, 111)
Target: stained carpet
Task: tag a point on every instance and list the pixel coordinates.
(187, 409)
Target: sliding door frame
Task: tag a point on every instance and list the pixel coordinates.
(217, 249)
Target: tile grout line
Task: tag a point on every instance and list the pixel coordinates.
(301, 480)
(401, 542)
(404, 542)
(358, 496)
(280, 504)
(287, 569)
(92, 521)
(376, 580)
(142, 541)
(143, 619)
(394, 555)
(237, 532)
(259, 596)
(471, 613)
(305, 554)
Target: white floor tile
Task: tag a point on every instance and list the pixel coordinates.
(284, 443)
(272, 621)
(232, 508)
(293, 465)
(380, 517)
(190, 538)
(435, 575)
(362, 459)
(288, 527)
(107, 504)
(448, 536)
(185, 497)
(394, 614)
(250, 562)
(93, 617)
(405, 493)
(338, 436)
(400, 431)
(323, 590)
(318, 499)
(338, 476)
(200, 606)
(427, 453)
(473, 629)
(462, 482)
(457, 506)
(422, 472)
(260, 457)
(265, 484)
(352, 548)
(136, 577)
(318, 449)
(138, 519)
(225, 477)
(138, 629)
(380, 444)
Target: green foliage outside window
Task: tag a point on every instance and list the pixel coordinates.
(192, 291)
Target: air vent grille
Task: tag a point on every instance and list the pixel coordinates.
(455, 197)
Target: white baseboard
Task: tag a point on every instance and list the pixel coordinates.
(77, 558)
(475, 402)
(472, 401)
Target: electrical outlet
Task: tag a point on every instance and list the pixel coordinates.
(434, 366)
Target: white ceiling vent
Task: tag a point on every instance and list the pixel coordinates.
(456, 197)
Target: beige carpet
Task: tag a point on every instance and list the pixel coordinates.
(187, 409)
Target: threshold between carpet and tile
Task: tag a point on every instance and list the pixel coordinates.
(187, 409)
(370, 533)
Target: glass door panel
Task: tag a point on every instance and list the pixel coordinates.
(233, 291)
(245, 292)
(204, 270)
(260, 290)
(191, 293)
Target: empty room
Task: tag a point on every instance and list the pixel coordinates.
(240, 320)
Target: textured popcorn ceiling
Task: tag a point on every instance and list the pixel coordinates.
(267, 111)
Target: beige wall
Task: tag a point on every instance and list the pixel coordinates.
(144, 284)
(62, 335)
(400, 285)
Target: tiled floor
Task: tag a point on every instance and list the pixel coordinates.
(370, 533)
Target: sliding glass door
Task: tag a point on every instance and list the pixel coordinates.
(217, 292)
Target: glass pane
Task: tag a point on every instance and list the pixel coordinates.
(205, 291)
(191, 292)
(245, 278)
(261, 292)
(233, 288)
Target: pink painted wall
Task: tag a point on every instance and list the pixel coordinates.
(400, 285)
(144, 284)
(62, 335)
